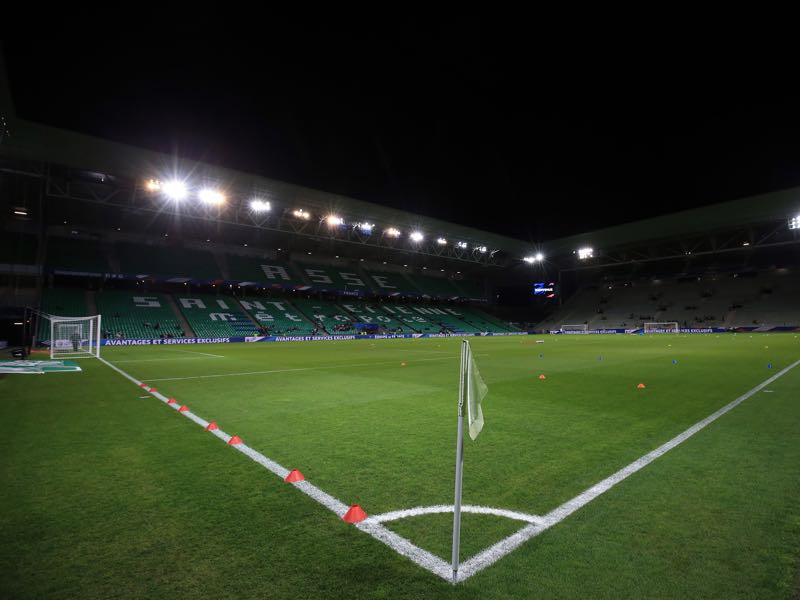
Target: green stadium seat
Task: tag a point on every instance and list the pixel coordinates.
(215, 316)
(264, 271)
(62, 302)
(136, 315)
(328, 314)
(167, 261)
(333, 278)
(438, 287)
(390, 283)
(278, 316)
(364, 312)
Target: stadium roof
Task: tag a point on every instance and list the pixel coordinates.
(725, 216)
(36, 142)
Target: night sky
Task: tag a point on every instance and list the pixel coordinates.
(459, 120)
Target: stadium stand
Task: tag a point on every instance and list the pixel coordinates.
(414, 318)
(278, 317)
(172, 262)
(327, 315)
(481, 320)
(76, 255)
(264, 271)
(324, 277)
(364, 312)
(133, 315)
(391, 284)
(470, 289)
(215, 316)
(698, 301)
(17, 249)
(445, 318)
(63, 302)
(436, 287)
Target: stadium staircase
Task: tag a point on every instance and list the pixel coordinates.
(185, 327)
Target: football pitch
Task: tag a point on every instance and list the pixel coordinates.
(109, 491)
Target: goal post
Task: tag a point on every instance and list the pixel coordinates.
(74, 337)
(578, 327)
(667, 327)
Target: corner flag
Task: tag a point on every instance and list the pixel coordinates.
(471, 391)
(476, 391)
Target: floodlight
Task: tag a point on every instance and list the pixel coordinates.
(211, 196)
(365, 227)
(152, 185)
(392, 232)
(301, 214)
(259, 206)
(481, 249)
(441, 241)
(462, 244)
(334, 221)
(794, 222)
(416, 236)
(539, 256)
(584, 253)
(23, 212)
(176, 190)
(530, 259)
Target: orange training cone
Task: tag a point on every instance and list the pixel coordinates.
(183, 408)
(212, 426)
(641, 386)
(354, 515)
(294, 477)
(172, 401)
(542, 376)
(234, 441)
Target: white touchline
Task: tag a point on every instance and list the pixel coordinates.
(373, 525)
(399, 544)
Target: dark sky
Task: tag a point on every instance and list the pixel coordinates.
(502, 128)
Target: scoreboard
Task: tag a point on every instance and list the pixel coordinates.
(544, 289)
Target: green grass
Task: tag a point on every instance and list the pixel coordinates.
(109, 494)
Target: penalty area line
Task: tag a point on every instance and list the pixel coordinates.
(491, 555)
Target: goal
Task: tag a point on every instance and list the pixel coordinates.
(74, 337)
(671, 327)
(580, 327)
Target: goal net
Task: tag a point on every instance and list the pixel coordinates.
(671, 327)
(74, 337)
(580, 327)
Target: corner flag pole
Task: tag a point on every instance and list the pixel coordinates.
(459, 459)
